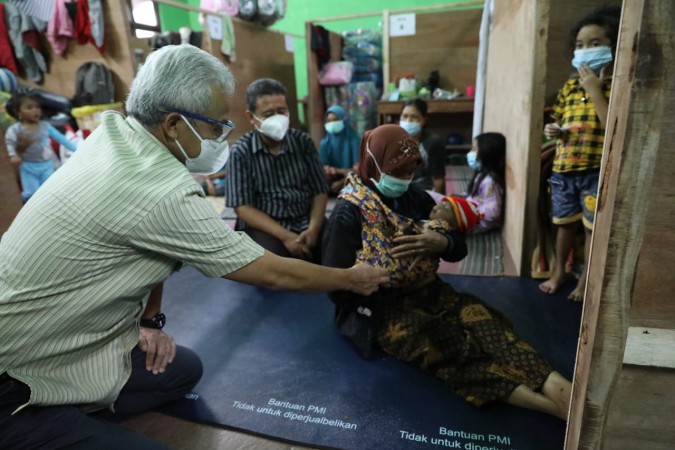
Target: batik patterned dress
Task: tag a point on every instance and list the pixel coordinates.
(454, 336)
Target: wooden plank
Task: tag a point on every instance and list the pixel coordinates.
(514, 100)
(652, 302)
(641, 413)
(653, 347)
(643, 68)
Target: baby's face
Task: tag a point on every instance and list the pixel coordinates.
(444, 211)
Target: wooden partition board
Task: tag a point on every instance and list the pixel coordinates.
(636, 147)
(514, 99)
(118, 56)
(446, 41)
(260, 53)
(317, 104)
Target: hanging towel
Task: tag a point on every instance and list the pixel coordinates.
(6, 55)
(60, 28)
(82, 24)
(227, 42)
(40, 9)
(97, 24)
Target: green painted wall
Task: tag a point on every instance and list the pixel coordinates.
(300, 11)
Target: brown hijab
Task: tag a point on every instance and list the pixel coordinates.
(393, 149)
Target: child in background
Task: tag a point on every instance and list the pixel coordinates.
(486, 190)
(339, 148)
(28, 143)
(580, 115)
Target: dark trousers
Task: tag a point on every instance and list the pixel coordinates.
(274, 245)
(52, 427)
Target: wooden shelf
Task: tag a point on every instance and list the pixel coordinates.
(458, 105)
(462, 148)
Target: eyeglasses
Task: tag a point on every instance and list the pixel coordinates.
(221, 128)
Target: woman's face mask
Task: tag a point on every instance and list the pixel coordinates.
(212, 156)
(413, 128)
(472, 160)
(389, 186)
(335, 126)
(595, 57)
(274, 127)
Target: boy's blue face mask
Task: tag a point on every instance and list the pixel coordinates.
(388, 185)
(596, 57)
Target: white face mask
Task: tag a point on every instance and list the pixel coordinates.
(212, 156)
(274, 127)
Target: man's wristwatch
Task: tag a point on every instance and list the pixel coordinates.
(157, 322)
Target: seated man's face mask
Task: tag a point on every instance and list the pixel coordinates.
(274, 127)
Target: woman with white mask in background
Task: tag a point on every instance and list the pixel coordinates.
(430, 175)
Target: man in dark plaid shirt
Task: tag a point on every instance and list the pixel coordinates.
(276, 183)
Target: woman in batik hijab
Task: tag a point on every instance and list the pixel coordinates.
(382, 219)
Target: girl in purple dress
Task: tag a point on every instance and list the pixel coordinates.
(486, 190)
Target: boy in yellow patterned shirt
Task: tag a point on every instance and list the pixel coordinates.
(580, 115)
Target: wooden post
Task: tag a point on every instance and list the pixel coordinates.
(386, 75)
(641, 91)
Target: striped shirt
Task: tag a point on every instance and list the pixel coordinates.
(282, 186)
(78, 262)
(579, 148)
(40, 9)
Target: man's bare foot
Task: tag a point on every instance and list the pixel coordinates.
(552, 285)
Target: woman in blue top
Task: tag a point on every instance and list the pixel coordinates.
(339, 149)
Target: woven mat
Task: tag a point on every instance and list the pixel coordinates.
(485, 250)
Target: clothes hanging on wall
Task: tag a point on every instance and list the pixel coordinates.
(97, 24)
(22, 29)
(60, 29)
(320, 44)
(89, 23)
(39, 9)
(6, 55)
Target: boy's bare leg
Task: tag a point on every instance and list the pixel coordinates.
(577, 294)
(563, 243)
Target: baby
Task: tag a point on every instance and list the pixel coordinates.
(460, 213)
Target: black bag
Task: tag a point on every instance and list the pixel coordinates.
(94, 85)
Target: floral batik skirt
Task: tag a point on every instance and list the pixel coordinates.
(459, 339)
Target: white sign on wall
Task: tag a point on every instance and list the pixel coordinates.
(402, 25)
(215, 26)
(288, 43)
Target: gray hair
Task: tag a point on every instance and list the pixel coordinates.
(263, 86)
(176, 77)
